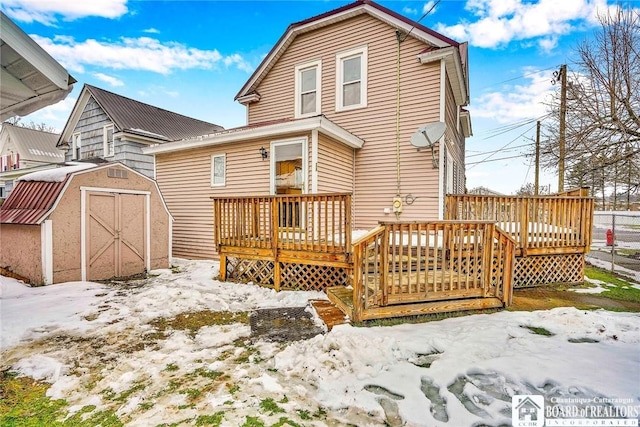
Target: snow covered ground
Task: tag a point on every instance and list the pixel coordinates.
(96, 345)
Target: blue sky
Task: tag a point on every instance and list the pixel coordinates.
(192, 57)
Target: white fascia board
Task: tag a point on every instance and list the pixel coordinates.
(454, 69)
(27, 48)
(415, 32)
(74, 117)
(249, 98)
(303, 125)
(465, 118)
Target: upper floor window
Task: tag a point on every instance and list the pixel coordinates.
(218, 169)
(351, 80)
(108, 140)
(76, 144)
(308, 95)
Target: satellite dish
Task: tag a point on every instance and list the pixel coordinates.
(427, 135)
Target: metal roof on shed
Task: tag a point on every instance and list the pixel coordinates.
(30, 201)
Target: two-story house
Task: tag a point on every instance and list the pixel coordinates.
(332, 108)
(104, 126)
(24, 150)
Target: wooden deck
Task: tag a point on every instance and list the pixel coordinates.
(471, 261)
(552, 232)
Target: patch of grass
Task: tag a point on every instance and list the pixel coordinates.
(270, 406)
(284, 421)
(233, 388)
(171, 367)
(252, 422)
(175, 269)
(127, 393)
(321, 413)
(303, 414)
(210, 420)
(192, 393)
(193, 321)
(206, 373)
(23, 402)
(422, 318)
(538, 330)
(616, 287)
(145, 406)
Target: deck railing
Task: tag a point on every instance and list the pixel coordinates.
(539, 224)
(397, 264)
(305, 222)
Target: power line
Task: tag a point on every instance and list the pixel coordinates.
(501, 148)
(496, 160)
(481, 153)
(519, 77)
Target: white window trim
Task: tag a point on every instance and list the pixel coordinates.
(224, 177)
(305, 161)
(363, 52)
(105, 145)
(76, 138)
(298, 86)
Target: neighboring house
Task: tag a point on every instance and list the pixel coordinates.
(24, 150)
(332, 108)
(30, 78)
(111, 127)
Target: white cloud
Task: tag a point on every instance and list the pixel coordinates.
(113, 81)
(48, 11)
(142, 53)
(427, 7)
(151, 31)
(409, 10)
(53, 115)
(499, 22)
(516, 102)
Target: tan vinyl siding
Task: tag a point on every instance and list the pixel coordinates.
(456, 139)
(185, 181)
(376, 124)
(335, 167)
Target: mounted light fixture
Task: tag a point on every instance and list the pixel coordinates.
(264, 153)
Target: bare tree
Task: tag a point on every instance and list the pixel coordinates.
(42, 126)
(603, 106)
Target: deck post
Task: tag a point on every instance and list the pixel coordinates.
(223, 268)
(524, 226)
(384, 265)
(274, 242)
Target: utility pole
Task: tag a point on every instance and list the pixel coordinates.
(563, 115)
(537, 182)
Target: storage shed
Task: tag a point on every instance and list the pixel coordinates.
(84, 222)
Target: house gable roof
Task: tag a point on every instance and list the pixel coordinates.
(418, 31)
(32, 144)
(136, 118)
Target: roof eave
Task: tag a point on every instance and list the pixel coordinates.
(319, 123)
(358, 8)
(465, 119)
(454, 70)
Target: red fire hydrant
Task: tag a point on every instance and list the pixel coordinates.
(609, 237)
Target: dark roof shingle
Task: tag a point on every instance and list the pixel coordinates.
(147, 120)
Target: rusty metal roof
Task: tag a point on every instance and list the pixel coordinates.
(29, 201)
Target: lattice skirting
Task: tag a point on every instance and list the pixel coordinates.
(548, 269)
(301, 277)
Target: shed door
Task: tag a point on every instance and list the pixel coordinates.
(115, 235)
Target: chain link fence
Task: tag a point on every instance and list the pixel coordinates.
(616, 242)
